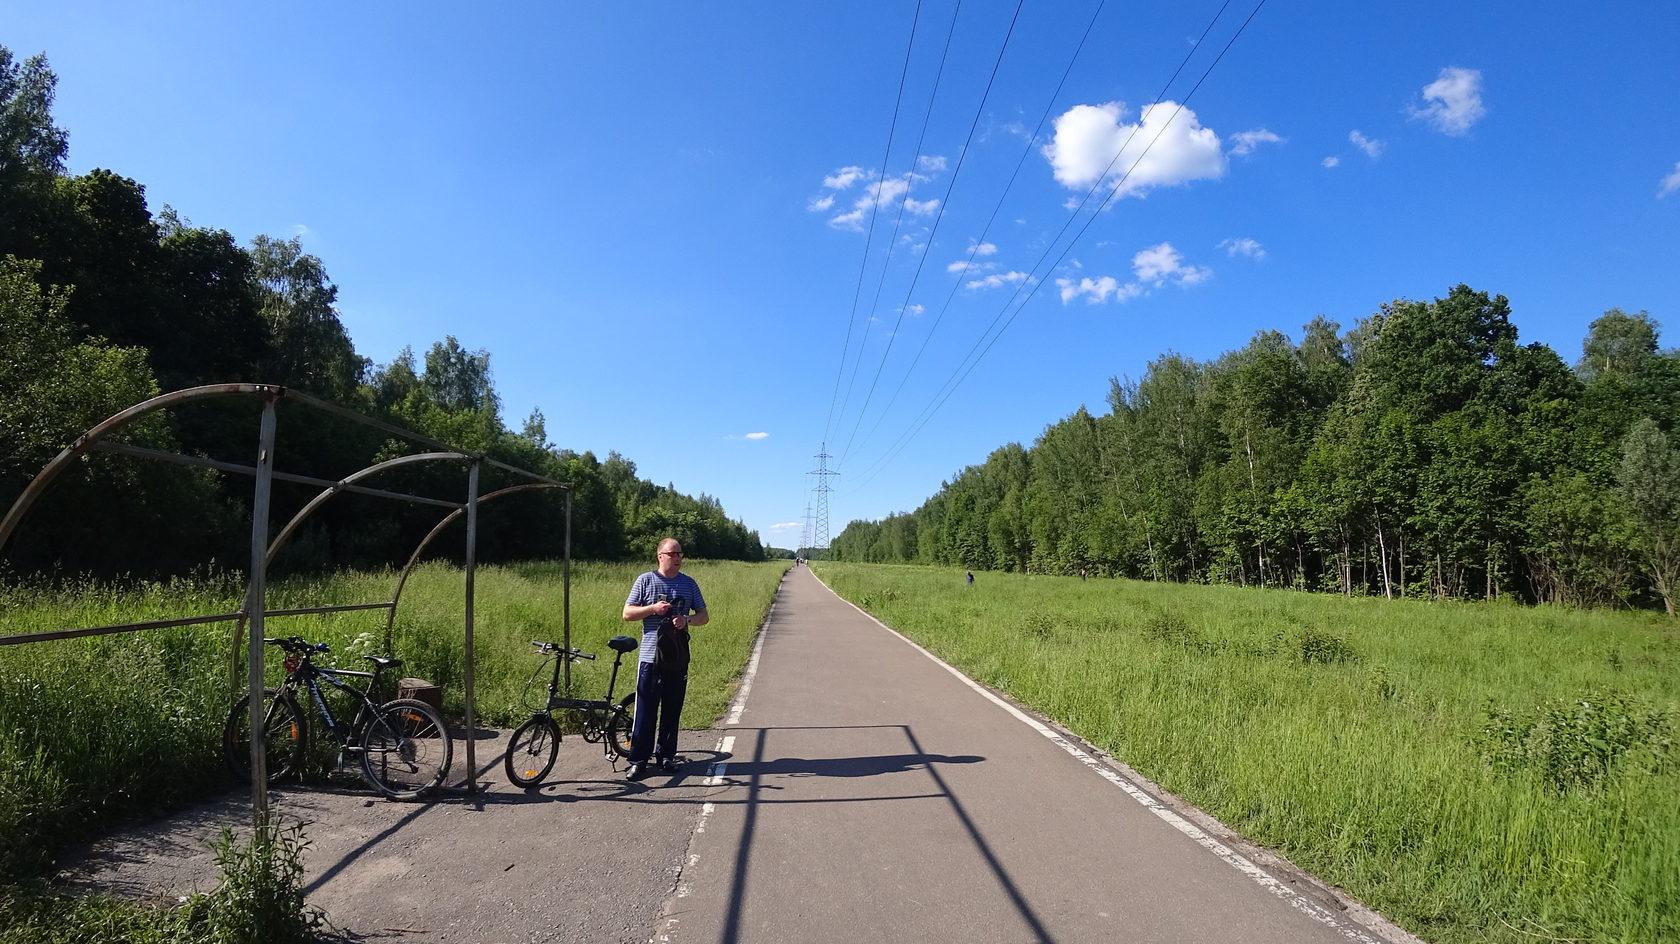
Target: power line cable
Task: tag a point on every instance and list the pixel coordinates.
(898, 219)
(968, 264)
(962, 156)
(928, 414)
(1074, 215)
(863, 266)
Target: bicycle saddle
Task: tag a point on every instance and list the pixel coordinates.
(623, 644)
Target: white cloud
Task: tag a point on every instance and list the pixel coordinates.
(1671, 183)
(914, 311)
(1244, 142)
(886, 191)
(758, 435)
(874, 195)
(984, 249)
(962, 265)
(1455, 101)
(844, 177)
(787, 525)
(1242, 246)
(1161, 264)
(997, 280)
(1154, 152)
(877, 194)
(1331, 161)
(1097, 290)
(930, 164)
(1154, 267)
(1372, 147)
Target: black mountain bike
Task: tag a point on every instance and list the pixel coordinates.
(534, 745)
(404, 746)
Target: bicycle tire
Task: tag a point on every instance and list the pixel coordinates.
(287, 736)
(621, 726)
(531, 751)
(406, 749)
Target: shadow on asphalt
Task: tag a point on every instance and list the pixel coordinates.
(751, 772)
(732, 778)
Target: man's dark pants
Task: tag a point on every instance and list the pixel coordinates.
(659, 695)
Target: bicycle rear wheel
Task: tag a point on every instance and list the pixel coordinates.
(406, 749)
(285, 734)
(531, 750)
(620, 726)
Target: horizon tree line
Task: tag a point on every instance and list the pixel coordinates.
(1424, 453)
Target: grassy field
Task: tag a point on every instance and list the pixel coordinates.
(96, 728)
(1479, 772)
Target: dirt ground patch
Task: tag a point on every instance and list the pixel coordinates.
(587, 857)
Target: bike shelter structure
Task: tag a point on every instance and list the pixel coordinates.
(263, 550)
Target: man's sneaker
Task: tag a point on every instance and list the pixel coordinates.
(636, 772)
(668, 765)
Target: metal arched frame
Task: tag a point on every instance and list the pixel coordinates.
(291, 527)
(254, 609)
(565, 565)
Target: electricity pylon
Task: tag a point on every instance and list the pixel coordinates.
(819, 535)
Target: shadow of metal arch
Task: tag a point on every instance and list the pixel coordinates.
(254, 610)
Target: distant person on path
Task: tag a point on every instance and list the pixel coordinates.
(1081, 575)
(668, 602)
(971, 578)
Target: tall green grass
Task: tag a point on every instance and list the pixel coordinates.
(96, 728)
(1476, 772)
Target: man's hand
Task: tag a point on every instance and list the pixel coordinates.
(661, 608)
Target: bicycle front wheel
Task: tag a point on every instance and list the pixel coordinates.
(284, 735)
(620, 726)
(531, 751)
(406, 749)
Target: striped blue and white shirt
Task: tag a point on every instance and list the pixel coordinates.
(681, 590)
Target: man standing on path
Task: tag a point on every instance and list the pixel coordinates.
(668, 602)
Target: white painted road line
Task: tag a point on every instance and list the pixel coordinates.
(740, 703)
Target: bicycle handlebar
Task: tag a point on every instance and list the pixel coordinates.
(573, 654)
(297, 644)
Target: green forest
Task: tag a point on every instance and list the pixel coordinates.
(104, 303)
(1426, 453)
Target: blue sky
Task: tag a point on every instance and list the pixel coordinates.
(654, 215)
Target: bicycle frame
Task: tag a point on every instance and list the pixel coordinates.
(310, 675)
(533, 746)
(403, 745)
(597, 713)
(556, 700)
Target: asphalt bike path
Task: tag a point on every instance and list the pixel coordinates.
(862, 791)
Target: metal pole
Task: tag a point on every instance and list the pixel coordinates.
(566, 590)
(472, 558)
(256, 596)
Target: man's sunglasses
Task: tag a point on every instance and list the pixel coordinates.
(670, 553)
